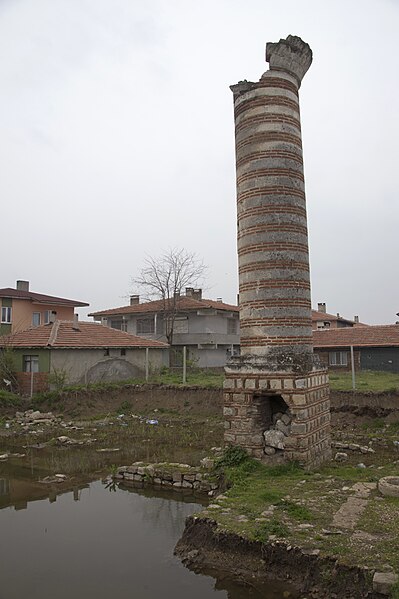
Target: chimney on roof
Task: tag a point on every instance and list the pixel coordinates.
(23, 285)
(197, 294)
(75, 324)
(338, 315)
(189, 291)
(219, 299)
(356, 319)
(134, 300)
(321, 307)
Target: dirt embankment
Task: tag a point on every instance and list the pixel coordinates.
(201, 401)
(364, 404)
(130, 398)
(203, 548)
(193, 400)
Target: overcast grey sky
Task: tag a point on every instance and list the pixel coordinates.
(117, 141)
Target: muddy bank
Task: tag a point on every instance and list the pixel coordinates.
(364, 404)
(187, 400)
(127, 398)
(203, 548)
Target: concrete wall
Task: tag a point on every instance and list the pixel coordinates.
(208, 358)
(382, 358)
(91, 365)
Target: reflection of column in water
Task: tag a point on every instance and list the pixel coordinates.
(75, 494)
(52, 497)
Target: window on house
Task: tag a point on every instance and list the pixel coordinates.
(145, 325)
(338, 358)
(36, 319)
(6, 313)
(123, 352)
(31, 363)
(106, 352)
(121, 325)
(47, 316)
(232, 326)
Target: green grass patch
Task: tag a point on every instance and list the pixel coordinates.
(298, 512)
(367, 380)
(272, 527)
(8, 399)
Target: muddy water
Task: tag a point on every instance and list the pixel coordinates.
(98, 541)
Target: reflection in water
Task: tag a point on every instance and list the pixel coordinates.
(117, 544)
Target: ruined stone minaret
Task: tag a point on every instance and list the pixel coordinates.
(276, 367)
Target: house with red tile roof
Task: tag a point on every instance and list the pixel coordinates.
(86, 352)
(321, 319)
(375, 347)
(21, 308)
(209, 329)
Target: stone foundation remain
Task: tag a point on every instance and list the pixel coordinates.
(278, 416)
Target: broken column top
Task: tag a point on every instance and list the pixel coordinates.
(291, 55)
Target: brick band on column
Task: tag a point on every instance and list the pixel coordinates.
(272, 239)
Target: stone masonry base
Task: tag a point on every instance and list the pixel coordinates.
(307, 398)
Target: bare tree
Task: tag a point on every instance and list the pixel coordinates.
(165, 277)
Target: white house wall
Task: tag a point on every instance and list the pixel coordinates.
(83, 364)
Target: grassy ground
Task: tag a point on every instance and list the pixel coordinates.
(285, 503)
(367, 380)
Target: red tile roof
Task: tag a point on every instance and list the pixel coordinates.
(366, 336)
(38, 298)
(321, 316)
(62, 334)
(184, 304)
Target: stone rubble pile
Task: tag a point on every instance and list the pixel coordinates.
(33, 417)
(168, 475)
(276, 435)
(352, 447)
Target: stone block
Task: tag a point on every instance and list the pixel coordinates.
(189, 477)
(228, 384)
(229, 411)
(280, 426)
(274, 439)
(298, 428)
(298, 399)
(301, 383)
(275, 384)
(256, 440)
(288, 384)
(269, 450)
(383, 582)
(249, 384)
(264, 384)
